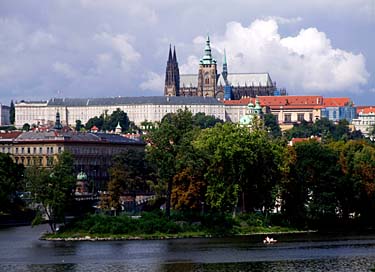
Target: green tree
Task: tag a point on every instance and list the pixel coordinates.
(12, 113)
(52, 189)
(129, 174)
(10, 181)
(26, 127)
(202, 120)
(79, 125)
(165, 143)
(271, 125)
(105, 122)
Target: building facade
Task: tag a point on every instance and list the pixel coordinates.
(138, 109)
(338, 108)
(208, 82)
(365, 121)
(92, 152)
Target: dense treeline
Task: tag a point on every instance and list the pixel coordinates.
(228, 168)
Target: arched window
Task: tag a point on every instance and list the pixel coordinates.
(206, 80)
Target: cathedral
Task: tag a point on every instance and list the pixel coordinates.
(209, 83)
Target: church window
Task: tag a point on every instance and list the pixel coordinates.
(206, 81)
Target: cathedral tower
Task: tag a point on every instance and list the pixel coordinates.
(207, 74)
(172, 75)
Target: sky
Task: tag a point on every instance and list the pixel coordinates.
(108, 48)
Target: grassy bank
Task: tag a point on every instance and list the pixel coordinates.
(156, 226)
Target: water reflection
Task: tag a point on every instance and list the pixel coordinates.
(20, 250)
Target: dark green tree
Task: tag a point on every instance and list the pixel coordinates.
(109, 123)
(79, 125)
(129, 174)
(11, 175)
(26, 127)
(12, 113)
(271, 125)
(52, 189)
(202, 120)
(165, 143)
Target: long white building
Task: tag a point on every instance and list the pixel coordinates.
(138, 109)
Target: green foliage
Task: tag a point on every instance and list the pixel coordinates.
(26, 127)
(109, 123)
(10, 182)
(52, 188)
(270, 123)
(79, 125)
(129, 174)
(324, 128)
(203, 121)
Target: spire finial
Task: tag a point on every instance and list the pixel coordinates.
(170, 53)
(225, 58)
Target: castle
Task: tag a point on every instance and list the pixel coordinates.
(209, 83)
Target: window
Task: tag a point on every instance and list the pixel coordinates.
(206, 80)
(310, 117)
(34, 151)
(22, 150)
(60, 149)
(16, 150)
(40, 150)
(288, 118)
(47, 150)
(51, 150)
(28, 150)
(300, 117)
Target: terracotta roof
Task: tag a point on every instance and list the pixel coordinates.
(366, 110)
(290, 100)
(336, 101)
(10, 135)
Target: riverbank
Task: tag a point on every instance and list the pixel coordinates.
(153, 226)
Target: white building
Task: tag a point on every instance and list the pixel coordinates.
(138, 109)
(365, 121)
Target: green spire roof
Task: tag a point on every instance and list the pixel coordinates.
(207, 58)
(225, 58)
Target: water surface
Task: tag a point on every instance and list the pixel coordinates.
(21, 250)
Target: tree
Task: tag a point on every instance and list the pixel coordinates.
(52, 189)
(165, 143)
(26, 127)
(242, 167)
(12, 113)
(205, 121)
(79, 125)
(10, 181)
(270, 123)
(105, 122)
(129, 174)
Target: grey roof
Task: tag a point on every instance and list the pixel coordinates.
(261, 79)
(75, 137)
(238, 79)
(140, 100)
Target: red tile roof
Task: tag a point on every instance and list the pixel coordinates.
(294, 101)
(10, 134)
(336, 101)
(366, 110)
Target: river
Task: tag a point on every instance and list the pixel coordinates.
(21, 250)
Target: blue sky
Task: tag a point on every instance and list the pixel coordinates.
(96, 48)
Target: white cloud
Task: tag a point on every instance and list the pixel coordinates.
(121, 43)
(155, 82)
(64, 69)
(283, 21)
(306, 62)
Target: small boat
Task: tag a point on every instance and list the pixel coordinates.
(269, 240)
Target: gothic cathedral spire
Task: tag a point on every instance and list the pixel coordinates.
(172, 75)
